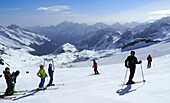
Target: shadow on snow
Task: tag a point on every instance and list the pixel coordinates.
(127, 90)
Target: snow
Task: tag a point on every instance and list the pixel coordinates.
(14, 36)
(80, 86)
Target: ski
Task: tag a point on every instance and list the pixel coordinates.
(43, 89)
(18, 91)
(54, 85)
(7, 97)
(32, 92)
(93, 74)
(47, 85)
(11, 96)
(143, 81)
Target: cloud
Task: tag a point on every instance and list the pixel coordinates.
(161, 12)
(56, 8)
(155, 15)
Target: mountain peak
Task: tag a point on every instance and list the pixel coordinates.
(67, 47)
(101, 25)
(13, 27)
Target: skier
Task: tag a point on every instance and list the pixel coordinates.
(14, 77)
(131, 62)
(8, 77)
(149, 59)
(50, 72)
(95, 67)
(42, 74)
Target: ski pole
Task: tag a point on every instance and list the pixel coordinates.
(100, 70)
(125, 78)
(142, 74)
(7, 64)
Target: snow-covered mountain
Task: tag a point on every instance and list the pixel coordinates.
(103, 39)
(65, 48)
(78, 84)
(101, 36)
(65, 32)
(131, 24)
(15, 37)
(149, 33)
(69, 32)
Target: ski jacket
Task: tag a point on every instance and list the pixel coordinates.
(50, 70)
(8, 77)
(149, 59)
(14, 76)
(41, 73)
(131, 62)
(94, 65)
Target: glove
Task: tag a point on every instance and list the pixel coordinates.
(40, 76)
(126, 66)
(140, 61)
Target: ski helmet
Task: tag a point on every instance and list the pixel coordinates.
(41, 66)
(132, 52)
(50, 65)
(7, 69)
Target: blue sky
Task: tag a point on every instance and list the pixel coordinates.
(51, 12)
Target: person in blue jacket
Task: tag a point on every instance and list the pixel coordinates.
(51, 73)
(14, 77)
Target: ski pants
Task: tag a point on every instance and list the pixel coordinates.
(51, 79)
(149, 65)
(42, 82)
(132, 72)
(95, 71)
(9, 90)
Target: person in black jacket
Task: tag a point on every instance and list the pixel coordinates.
(8, 78)
(131, 62)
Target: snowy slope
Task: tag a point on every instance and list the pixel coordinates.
(18, 38)
(14, 36)
(82, 87)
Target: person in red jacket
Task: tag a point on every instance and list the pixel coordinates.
(95, 67)
(149, 59)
